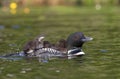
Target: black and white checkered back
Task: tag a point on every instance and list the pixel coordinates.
(46, 51)
(49, 51)
(47, 54)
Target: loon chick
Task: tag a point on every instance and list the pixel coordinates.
(32, 45)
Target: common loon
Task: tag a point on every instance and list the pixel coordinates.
(72, 47)
(43, 50)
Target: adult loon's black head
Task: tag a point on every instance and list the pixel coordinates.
(76, 40)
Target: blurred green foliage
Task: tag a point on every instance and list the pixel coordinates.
(60, 2)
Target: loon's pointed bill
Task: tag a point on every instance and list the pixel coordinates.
(87, 39)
